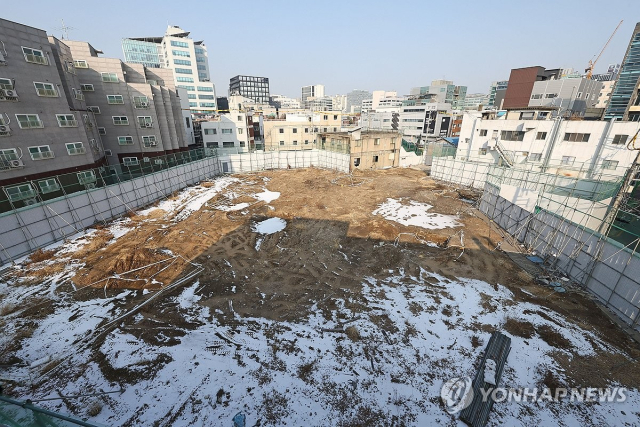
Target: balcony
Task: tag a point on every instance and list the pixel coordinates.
(22, 195)
(68, 124)
(76, 151)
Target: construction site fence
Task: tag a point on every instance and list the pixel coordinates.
(607, 268)
(110, 192)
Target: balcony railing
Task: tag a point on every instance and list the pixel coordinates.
(42, 155)
(36, 59)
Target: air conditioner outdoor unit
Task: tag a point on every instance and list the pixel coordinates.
(16, 163)
(148, 125)
(5, 129)
(143, 105)
(30, 202)
(10, 93)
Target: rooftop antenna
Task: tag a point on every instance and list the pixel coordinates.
(65, 30)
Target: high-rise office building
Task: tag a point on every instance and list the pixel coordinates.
(312, 91)
(187, 58)
(627, 79)
(255, 88)
(355, 98)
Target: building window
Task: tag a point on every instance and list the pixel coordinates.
(109, 77)
(567, 160)
(34, 56)
(145, 122)
(29, 121)
(182, 62)
(294, 142)
(512, 135)
(551, 95)
(335, 117)
(48, 185)
(609, 164)
(535, 157)
(199, 50)
(620, 139)
(108, 153)
(125, 140)
(306, 142)
(227, 131)
(482, 152)
(577, 137)
(213, 144)
(483, 132)
(192, 96)
(8, 154)
(541, 135)
(187, 87)
(210, 131)
(130, 161)
(75, 148)
(86, 177)
(41, 152)
(149, 141)
(115, 99)
(94, 109)
(141, 102)
(184, 79)
(77, 94)
(183, 70)
(240, 131)
(102, 131)
(67, 120)
(376, 141)
(306, 130)
(280, 130)
(356, 161)
(205, 89)
(120, 120)
(6, 84)
(281, 142)
(176, 43)
(295, 130)
(201, 96)
(207, 104)
(45, 89)
(80, 63)
(375, 159)
(180, 53)
(20, 192)
(228, 144)
(239, 118)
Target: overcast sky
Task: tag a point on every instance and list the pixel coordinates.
(345, 45)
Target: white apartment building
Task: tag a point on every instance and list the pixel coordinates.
(416, 122)
(381, 99)
(591, 146)
(187, 58)
(232, 131)
(281, 101)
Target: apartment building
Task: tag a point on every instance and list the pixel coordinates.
(381, 99)
(368, 149)
(45, 128)
(298, 131)
(137, 109)
(187, 58)
(354, 100)
(592, 146)
(603, 97)
(445, 91)
(281, 101)
(233, 131)
(255, 88)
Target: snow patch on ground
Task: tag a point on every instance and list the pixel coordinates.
(232, 208)
(416, 214)
(269, 226)
(267, 196)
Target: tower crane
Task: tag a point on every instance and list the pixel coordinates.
(589, 69)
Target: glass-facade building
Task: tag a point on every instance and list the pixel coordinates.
(141, 52)
(627, 79)
(256, 88)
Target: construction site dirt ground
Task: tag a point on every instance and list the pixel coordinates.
(376, 260)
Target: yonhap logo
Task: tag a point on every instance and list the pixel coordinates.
(457, 394)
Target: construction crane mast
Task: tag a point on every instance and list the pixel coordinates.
(589, 69)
